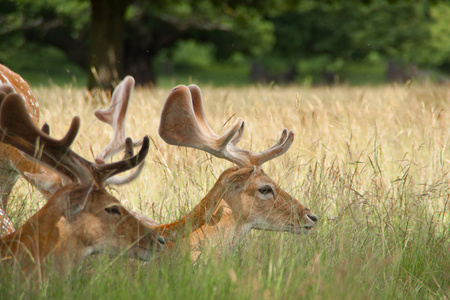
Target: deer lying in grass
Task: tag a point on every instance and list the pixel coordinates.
(13, 163)
(244, 197)
(81, 218)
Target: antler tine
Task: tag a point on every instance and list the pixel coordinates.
(281, 147)
(46, 129)
(2, 97)
(183, 123)
(6, 88)
(115, 116)
(109, 170)
(129, 151)
(284, 135)
(18, 130)
(17, 122)
(119, 180)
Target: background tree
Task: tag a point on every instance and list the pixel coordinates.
(60, 23)
(109, 39)
(320, 37)
(231, 29)
(151, 26)
(106, 42)
(126, 36)
(434, 51)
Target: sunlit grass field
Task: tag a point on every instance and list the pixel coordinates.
(370, 162)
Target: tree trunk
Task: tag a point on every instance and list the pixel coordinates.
(107, 39)
(139, 65)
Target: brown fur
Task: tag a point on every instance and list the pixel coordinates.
(12, 162)
(234, 206)
(81, 218)
(244, 197)
(74, 223)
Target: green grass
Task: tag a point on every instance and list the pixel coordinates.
(47, 66)
(371, 162)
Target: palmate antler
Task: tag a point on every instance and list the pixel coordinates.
(183, 123)
(18, 130)
(115, 116)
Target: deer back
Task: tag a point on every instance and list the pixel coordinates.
(21, 87)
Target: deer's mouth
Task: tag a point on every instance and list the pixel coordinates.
(297, 229)
(145, 254)
(292, 228)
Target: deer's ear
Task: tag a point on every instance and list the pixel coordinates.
(74, 200)
(48, 183)
(242, 175)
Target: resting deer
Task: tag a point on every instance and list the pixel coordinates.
(13, 163)
(244, 197)
(81, 218)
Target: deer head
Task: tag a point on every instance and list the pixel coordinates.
(13, 162)
(81, 218)
(255, 200)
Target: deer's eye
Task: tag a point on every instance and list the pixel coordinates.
(266, 189)
(112, 210)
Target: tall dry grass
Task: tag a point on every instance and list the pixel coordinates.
(371, 162)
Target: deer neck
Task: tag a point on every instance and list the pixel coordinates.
(220, 228)
(213, 219)
(225, 231)
(47, 234)
(202, 214)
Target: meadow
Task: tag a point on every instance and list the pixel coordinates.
(371, 162)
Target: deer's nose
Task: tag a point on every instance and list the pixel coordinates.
(312, 217)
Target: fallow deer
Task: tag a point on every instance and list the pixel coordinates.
(12, 162)
(81, 218)
(244, 197)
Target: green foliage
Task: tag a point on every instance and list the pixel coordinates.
(44, 65)
(233, 72)
(316, 28)
(249, 34)
(440, 33)
(323, 36)
(316, 36)
(435, 52)
(43, 16)
(191, 54)
(230, 27)
(389, 28)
